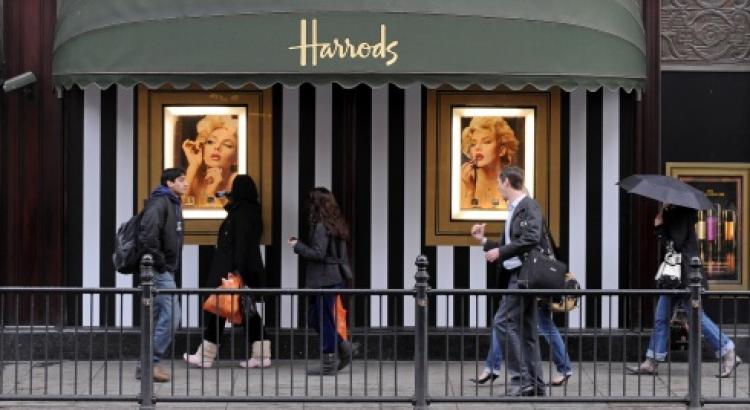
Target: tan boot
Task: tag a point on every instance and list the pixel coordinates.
(160, 375)
(204, 356)
(261, 355)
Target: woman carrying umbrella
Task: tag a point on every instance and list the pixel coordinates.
(675, 226)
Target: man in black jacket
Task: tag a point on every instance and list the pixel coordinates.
(515, 321)
(160, 233)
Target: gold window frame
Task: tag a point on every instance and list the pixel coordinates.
(440, 226)
(258, 146)
(707, 172)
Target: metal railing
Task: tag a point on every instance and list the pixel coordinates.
(86, 348)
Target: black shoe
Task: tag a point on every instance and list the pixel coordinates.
(559, 380)
(329, 366)
(528, 391)
(347, 349)
(484, 378)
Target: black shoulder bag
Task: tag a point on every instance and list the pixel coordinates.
(540, 269)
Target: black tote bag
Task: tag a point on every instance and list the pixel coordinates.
(540, 269)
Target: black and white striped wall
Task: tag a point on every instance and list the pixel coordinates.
(385, 126)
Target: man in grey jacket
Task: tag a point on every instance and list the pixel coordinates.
(160, 233)
(515, 323)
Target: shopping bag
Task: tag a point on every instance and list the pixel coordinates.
(341, 327)
(226, 305)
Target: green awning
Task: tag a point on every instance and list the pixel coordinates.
(568, 43)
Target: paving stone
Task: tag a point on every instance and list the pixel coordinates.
(110, 377)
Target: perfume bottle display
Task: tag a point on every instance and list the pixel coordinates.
(716, 231)
(700, 233)
(730, 235)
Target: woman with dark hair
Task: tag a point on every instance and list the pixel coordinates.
(237, 251)
(327, 268)
(675, 226)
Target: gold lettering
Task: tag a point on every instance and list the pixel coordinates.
(379, 51)
(391, 46)
(302, 43)
(338, 48)
(393, 54)
(326, 51)
(343, 49)
(350, 50)
(315, 41)
(363, 51)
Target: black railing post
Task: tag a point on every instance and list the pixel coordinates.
(420, 340)
(146, 398)
(694, 341)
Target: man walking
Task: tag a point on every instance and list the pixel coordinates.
(160, 233)
(515, 323)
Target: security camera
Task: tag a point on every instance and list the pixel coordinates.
(19, 81)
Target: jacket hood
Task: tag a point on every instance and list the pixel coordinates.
(161, 190)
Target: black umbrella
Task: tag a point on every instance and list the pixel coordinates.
(666, 189)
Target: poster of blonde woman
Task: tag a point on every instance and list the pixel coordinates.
(209, 143)
(483, 142)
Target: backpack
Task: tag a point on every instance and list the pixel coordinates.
(127, 255)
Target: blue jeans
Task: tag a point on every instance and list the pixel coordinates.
(320, 315)
(166, 314)
(546, 327)
(657, 346)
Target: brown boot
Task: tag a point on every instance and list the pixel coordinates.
(649, 366)
(160, 375)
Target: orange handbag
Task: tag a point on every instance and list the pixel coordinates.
(226, 305)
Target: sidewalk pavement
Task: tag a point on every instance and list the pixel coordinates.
(387, 379)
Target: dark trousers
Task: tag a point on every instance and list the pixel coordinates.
(320, 315)
(213, 328)
(515, 325)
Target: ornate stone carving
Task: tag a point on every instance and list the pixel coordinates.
(705, 33)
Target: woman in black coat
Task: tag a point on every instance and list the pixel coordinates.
(237, 251)
(326, 267)
(675, 226)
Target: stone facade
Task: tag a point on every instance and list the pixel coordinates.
(705, 34)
